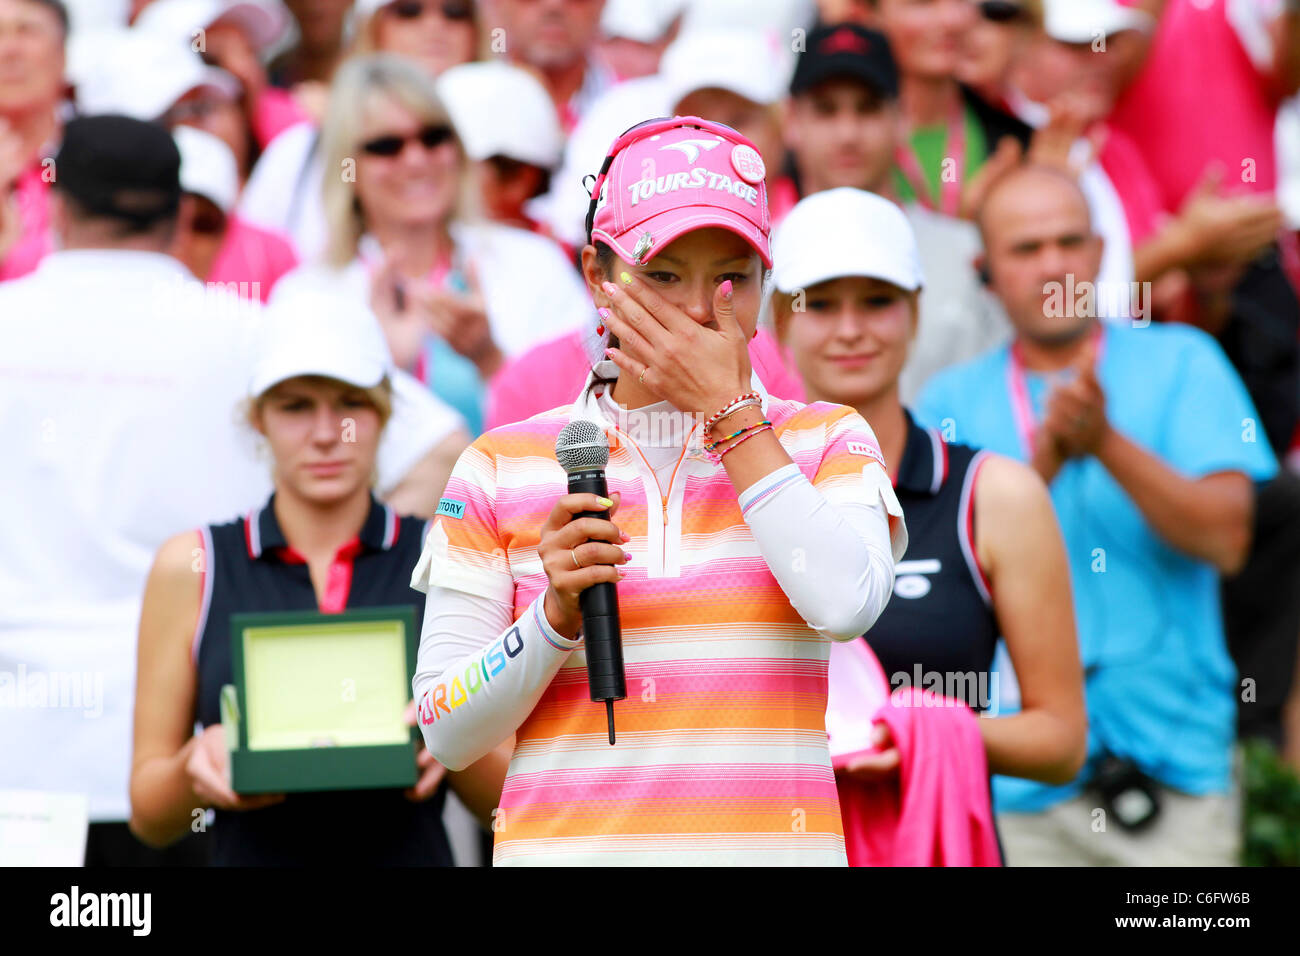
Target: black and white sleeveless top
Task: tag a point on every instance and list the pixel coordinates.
(249, 567)
(938, 631)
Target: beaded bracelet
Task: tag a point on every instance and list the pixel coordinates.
(712, 446)
(736, 404)
(767, 427)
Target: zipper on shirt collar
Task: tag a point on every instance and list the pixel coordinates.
(619, 439)
(587, 408)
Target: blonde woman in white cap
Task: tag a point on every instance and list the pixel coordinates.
(320, 396)
(985, 557)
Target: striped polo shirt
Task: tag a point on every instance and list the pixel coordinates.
(722, 753)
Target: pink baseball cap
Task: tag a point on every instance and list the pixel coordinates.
(667, 177)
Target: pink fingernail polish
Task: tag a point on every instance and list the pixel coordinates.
(627, 555)
(610, 288)
(603, 313)
(609, 353)
(726, 289)
(624, 536)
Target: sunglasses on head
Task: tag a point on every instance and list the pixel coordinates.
(414, 9)
(1000, 11)
(430, 137)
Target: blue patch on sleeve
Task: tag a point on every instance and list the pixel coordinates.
(451, 508)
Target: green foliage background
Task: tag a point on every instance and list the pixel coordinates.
(1271, 808)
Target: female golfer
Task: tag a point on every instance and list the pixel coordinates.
(746, 531)
(323, 542)
(985, 556)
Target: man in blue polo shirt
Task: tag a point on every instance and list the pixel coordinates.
(1150, 445)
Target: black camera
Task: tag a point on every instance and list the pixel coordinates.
(1130, 797)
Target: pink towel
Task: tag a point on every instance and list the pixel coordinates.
(937, 811)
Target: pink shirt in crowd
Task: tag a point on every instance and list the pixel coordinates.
(1138, 191)
(35, 239)
(275, 112)
(781, 198)
(549, 375)
(1199, 98)
(253, 255)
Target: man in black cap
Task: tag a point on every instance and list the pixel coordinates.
(120, 376)
(97, 337)
(843, 128)
(117, 184)
(843, 122)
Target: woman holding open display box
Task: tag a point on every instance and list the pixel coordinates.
(322, 543)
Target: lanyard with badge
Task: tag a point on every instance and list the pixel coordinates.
(955, 144)
(1022, 409)
(1130, 797)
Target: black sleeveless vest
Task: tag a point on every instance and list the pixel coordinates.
(249, 568)
(938, 631)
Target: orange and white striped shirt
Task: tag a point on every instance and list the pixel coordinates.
(722, 754)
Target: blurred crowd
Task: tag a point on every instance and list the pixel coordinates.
(426, 165)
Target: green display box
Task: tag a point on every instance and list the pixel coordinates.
(318, 700)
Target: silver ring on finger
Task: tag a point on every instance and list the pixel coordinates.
(574, 554)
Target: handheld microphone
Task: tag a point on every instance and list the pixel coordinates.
(583, 451)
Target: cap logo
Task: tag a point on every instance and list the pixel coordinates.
(748, 163)
(690, 148)
(697, 178)
(845, 41)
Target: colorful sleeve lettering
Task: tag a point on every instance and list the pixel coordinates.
(480, 699)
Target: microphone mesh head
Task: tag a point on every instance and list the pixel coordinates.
(582, 446)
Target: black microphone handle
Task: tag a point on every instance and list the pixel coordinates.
(601, 636)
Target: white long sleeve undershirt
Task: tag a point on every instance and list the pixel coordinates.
(834, 562)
